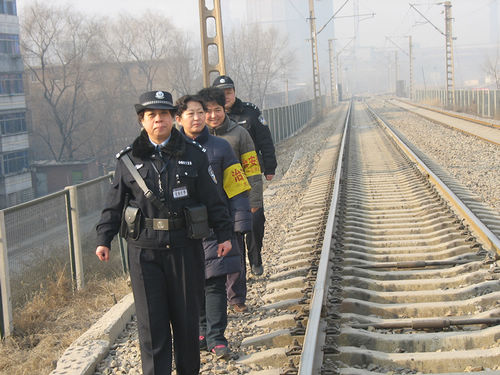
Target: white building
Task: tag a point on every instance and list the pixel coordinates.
(15, 177)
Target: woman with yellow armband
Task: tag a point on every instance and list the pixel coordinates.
(221, 125)
(232, 187)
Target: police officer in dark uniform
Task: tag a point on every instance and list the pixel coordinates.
(159, 180)
(250, 117)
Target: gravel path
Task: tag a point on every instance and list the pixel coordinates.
(470, 160)
(297, 157)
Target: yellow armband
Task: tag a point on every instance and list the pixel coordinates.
(250, 163)
(235, 181)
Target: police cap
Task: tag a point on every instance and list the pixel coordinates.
(223, 82)
(155, 100)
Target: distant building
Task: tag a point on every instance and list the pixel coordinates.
(15, 177)
(51, 176)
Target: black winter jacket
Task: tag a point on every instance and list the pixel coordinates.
(186, 167)
(250, 117)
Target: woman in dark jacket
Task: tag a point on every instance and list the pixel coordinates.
(232, 186)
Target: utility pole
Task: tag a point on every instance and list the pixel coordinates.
(315, 62)
(333, 83)
(450, 70)
(211, 45)
(448, 34)
(396, 72)
(410, 47)
(410, 55)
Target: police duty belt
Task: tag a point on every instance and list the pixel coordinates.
(157, 224)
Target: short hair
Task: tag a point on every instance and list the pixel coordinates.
(213, 94)
(183, 101)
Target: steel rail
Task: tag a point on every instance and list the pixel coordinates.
(311, 338)
(487, 237)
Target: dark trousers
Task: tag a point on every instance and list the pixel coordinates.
(213, 318)
(254, 238)
(236, 283)
(168, 290)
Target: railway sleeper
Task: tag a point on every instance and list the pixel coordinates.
(370, 270)
(422, 362)
(437, 294)
(422, 309)
(409, 340)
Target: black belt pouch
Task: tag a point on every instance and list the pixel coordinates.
(197, 222)
(132, 219)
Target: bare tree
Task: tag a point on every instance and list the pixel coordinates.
(183, 67)
(492, 67)
(140, 45)
(256, 59)
(55, 44)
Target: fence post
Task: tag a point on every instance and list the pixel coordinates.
(6, 325)
(74, 237)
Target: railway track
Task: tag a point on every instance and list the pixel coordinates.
(378, 274)
(410, 288)
(487, 131)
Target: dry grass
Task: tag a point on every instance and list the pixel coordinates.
(47, 324)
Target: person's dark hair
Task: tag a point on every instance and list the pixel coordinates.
(213, 94)
(183, 101)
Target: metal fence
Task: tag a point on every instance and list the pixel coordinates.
(483, 102)
(285, 121)
(49, 238)
(54, 236)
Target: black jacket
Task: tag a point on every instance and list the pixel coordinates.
(187, 166)
(249, 116)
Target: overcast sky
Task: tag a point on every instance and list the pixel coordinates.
(474, 28)
(393, 18)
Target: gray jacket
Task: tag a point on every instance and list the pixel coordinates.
(244, 149)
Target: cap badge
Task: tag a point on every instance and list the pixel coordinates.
(160, 95)
(222, 80)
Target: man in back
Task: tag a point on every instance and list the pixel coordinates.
(248, 115)
(220, 125)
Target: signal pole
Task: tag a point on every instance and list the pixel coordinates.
(315, 62)
(211, 46)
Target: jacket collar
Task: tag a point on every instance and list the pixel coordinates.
(222, 128)
(201, 138)
(143, 148)
(237, 107)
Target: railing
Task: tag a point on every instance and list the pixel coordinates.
(55, 234)
(480, 102)
(50, 237)
(285, 121)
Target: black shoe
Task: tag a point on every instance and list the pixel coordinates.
(222, 352)
(257, 270)
(203, 343)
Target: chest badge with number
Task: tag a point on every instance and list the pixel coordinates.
(180, 192)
